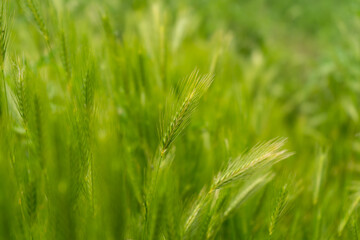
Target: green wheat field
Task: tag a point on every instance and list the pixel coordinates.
(192, 119)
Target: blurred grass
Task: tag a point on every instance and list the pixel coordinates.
(85, 84)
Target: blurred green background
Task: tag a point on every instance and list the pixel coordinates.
(282, 68)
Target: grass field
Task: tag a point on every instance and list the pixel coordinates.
(222, 119)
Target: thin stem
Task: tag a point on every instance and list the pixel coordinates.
(5, 91)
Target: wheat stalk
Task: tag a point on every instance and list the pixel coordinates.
(4, 42)
(22, 95)
(279, 209)
(321, 162)
(81, 148)
(4, 34)
(34, 9)
(245, 192)
(65, 55)
(354, 205)
(175, 121)
(260, 156)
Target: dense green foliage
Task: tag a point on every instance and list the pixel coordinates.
(191, 119)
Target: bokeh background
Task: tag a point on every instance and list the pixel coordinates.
(281, 69)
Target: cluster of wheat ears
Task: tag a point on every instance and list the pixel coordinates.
(69, 177)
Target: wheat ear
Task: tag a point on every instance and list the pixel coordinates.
(260, 156)
(178, 116)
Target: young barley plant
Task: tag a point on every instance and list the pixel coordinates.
(173, 122)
